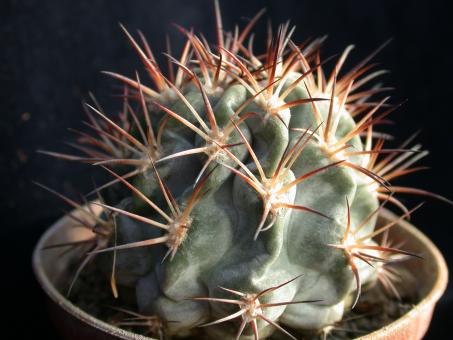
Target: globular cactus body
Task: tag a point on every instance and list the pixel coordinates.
(221, 245)
(250, 187)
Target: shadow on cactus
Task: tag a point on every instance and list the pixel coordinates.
(242, 189)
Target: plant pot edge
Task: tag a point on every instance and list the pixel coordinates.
(422, 310)
(426, 305)
(61, 301)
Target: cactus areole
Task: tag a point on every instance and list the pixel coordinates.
(242, 189)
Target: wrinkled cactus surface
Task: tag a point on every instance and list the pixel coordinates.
(242, 189)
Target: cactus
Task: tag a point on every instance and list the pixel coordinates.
(244, 189)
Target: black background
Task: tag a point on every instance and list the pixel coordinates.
(51, 55)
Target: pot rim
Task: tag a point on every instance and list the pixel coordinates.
(60, 300)
(435, 293)
(427, 302)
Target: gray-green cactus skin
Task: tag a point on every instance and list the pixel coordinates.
(219, 248)
(246, 188)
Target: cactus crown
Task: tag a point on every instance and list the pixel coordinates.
(243, 186)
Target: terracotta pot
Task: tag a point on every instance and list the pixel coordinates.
(73, 323)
